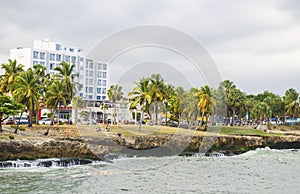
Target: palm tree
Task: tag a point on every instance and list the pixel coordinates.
(206, 101)
(27, 90)
(226, 86)
(291, 101)
(12, 71)
(157, 88)
(104, 107)
(77, 102)
(188, 106)
(115, 94)
(140, 96)
(67, 76)
(236, 100)
(55, 97)
(177, 100)
(261, 111)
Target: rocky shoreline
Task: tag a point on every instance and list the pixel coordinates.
(160, 145)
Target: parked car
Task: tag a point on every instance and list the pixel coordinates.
(45, 121)
(22, 121)
(9, 121)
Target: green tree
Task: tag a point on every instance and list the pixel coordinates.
(67, 76)
(236, 99)
(26, 89)
(206, 102)
(104, 107)
(261, 111)
(115, 94)
(188, 106)
(140, 96)
(8, 107)
(12, 71)
(77, 102)
(291, 101)
(157, 88)
(55, 97)
(226, 87)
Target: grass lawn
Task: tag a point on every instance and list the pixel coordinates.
(133, 130)
(243, 131)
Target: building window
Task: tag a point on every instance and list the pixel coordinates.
(98, 97)
(35, 62)
(72, 50)
(58, 47)
(99, 66)
(81, 94)
(81, 59)
(99, 74)
(52, 56)
(89, 89)
(103, 97)
(42, 63)
(35, 54)
(81, 68)
(80, 76)
(51, 66)
(91, 65)
(104, 75)
(91, 73)
(99, 82)
(104, 91)
(58, 57)
(42, 55)
(91, 81)
(67, 58)
(98, 90)
(86, 81)
(73, 59)
(104, 83)
(104, 67)
(90, 97)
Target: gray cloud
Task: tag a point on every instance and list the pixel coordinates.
(244, 37)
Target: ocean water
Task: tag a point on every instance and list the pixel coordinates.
(259, 171)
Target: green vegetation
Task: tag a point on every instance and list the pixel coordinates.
(115, 94)
(226, 104)
(242, 131)
(152, 96)
(28, 87)
(132, 131)
(8, 107)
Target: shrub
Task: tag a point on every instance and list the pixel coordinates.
(11, 137)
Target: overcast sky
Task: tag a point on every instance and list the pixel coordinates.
(256, 44)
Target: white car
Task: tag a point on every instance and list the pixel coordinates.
(45, 121)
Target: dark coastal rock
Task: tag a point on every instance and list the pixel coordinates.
(34, 148)
(159, 145)
(173, 144)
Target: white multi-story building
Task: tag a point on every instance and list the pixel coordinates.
(92, 74)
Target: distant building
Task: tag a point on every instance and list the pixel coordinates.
(93, 74)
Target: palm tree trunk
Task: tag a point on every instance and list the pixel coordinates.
(202, 118)
(233, 116)
(156, 115)
(17, 128)
(1, 123)
(30, 118)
